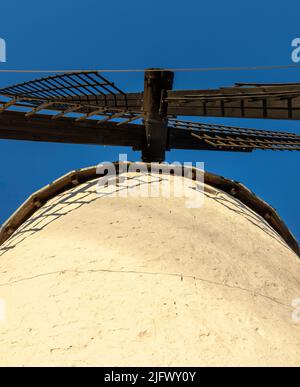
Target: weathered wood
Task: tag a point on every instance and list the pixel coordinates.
(158, 105)
(182, 139)
(15, 126)
(189, 135)
(155, 114)
(271, 103)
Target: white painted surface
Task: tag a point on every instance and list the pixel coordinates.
(148, 282)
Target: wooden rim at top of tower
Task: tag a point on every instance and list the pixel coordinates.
(75, 178)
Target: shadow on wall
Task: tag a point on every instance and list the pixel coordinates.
(66, 203)
(239, 208)
(86, 193)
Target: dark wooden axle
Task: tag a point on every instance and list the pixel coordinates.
(155, 112)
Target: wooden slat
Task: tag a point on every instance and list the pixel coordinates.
(229, 139)
(281, 102)
(183, 139)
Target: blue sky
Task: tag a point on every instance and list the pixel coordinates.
(137, 34)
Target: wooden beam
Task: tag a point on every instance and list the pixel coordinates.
(155, 114)
(271, 103)
(15, 126)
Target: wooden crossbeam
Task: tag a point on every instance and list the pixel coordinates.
(90, 95)
(248, 102)
(15, 126)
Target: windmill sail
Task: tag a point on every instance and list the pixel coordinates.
(84, 92)
(86, 108)
(275, 101)
(229, 138)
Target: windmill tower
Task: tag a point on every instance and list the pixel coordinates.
(91, 279)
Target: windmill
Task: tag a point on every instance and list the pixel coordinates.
(140, 281)
(106, 115)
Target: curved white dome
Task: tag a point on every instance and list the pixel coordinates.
(106, 281)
